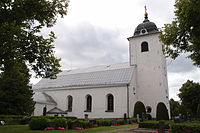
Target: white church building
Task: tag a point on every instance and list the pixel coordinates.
(110, 91)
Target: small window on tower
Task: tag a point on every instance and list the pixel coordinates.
(144, 47)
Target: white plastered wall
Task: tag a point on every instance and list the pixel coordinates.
(151, 73)
(99, 101)
(38, 111)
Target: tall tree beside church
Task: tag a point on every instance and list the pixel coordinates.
(174, 108)
(15, 91)
(21, 43)
(190, 96)
(182, 35)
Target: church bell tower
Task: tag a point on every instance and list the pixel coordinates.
(147, 56)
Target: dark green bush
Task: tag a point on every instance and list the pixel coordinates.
(104, 122)
(60, 122)
(139, 109)
(148, 117)
(162, 112)
(38, 123)
(12, 119)
(54, 117)
(132, 120)
(121, 121)
(69, 123)
(192, 127)
(154, 124)
(21, 119)
(85, 123)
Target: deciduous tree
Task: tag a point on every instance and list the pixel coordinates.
(190, 96)
(182, 35)
(174, 108)
(22, 45)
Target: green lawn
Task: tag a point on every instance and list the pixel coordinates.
(25, 129)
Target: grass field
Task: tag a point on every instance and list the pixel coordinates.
(25, 129)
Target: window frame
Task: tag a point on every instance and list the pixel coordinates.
(69, 103)
(110, 103)
(144, 46)
(88, 103)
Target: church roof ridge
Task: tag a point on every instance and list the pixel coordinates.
(95, 68)
(117, 75)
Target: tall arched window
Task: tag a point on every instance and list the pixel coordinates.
(88, 103)
(144, 47)
(69, 103)
(110, 103)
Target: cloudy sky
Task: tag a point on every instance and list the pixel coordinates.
(95, 32)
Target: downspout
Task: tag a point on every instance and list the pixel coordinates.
(127, 100)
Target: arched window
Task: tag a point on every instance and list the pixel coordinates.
(69, 102)
(88, 103)
(110, 103)
(45, 111)
(144, 47)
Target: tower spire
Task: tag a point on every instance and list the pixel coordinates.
(145, 14)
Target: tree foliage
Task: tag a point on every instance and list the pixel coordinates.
(182, 35)
(162, 112)
(190, 96)
(139, 109)
(15, 93)
(23, 48)
(20, 24)
(174, 108)
(198, 111)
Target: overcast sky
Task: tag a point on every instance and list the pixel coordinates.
(95, 32)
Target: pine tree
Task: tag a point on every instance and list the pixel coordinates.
(15, 91)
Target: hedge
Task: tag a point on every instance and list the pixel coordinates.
(13, 119)
(104, 122)
(187, 127)
(22, 119)
(154, 124)
(38, 123)
(132, 120)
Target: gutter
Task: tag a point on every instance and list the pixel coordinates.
(127, 100)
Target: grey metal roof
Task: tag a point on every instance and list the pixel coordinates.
(43, 98)
(148, 26)
(107, 75)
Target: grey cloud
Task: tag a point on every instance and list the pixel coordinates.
(180, 64)
(87, 45)
(160, 11)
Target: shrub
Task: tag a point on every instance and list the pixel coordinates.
(153, 124)
(54, 117)
(104, 122)
(60, 122)
(162, 112)
(38, 123)
(12, 119)
(120, 121)
(139, 109)
(85, 123)
(192, 127)
(69, 123)
(132, 120)
(148, 117)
